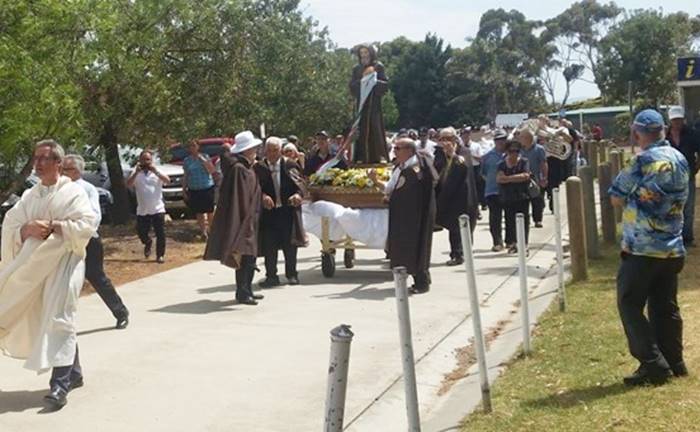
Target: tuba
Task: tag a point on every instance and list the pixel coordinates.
(556, 140)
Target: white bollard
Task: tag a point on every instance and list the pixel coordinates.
(522, 264)
(560, 250)
(409, 367)
(341, 337)
(476, 312)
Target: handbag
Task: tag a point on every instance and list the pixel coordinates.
(533, 189)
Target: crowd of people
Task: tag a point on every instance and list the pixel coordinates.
(250, 206)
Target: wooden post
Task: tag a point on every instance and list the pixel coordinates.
(590, 219)
(615, 166)
(607, 214)
(593, 157)
(602, 152)
(577, 230)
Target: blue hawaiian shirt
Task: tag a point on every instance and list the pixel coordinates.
(655, 188)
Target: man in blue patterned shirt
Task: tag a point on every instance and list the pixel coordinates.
(652, 190)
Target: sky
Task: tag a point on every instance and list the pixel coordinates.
(350, 22)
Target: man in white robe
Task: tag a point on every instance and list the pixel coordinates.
(42, 272)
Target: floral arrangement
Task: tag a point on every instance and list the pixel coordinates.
(355, 178)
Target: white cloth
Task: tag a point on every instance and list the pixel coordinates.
(149, 194)
(40, 280)
(429, 149)
(476, 152)
(94, 198)
(277, 181)
(368, 226)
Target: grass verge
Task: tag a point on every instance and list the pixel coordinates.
(573, 380)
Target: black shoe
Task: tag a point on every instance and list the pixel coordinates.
(248, 301)
(538, 224)
(76, 383)
(147, 250)
(160, 260)
(270, 282)
(422, 289)
(258, 296)
(455, 262)
(122, 322)
(647, 375)
(293, 280)
(56, 399)
(679, 370)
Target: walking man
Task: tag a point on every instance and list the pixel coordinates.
(489, 171)
(42, 272)
(686, 140)
(281, 226)
(537, 161)
(73, 167)
(652, 190)
(233, 240)
(148, 183)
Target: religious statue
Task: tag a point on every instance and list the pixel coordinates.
(368, 84)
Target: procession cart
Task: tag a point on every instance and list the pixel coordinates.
(350, 215)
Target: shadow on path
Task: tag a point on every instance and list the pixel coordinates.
(19, 401)
(198, 307)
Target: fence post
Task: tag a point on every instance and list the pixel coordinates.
(577, 230)
(409, 366)
(476, 312)
(593, 156)
(341, 337)
(590, 219)
(615, 167)
(560, 250)
(607, 213)
(522, 265)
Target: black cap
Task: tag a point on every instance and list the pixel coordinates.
(500, 134)
(293, 139)
(423, 131)
(322, 134)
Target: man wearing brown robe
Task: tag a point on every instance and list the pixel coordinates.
(234, 232)
(411, 195)
(281, 227)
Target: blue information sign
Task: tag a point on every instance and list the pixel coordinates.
(689, 69)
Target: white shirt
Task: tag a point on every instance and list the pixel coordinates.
(476, 152)
(276, 181)
(429, 148)
(149, 194)
(94, 198)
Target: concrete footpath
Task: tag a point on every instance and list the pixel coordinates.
(194, 360)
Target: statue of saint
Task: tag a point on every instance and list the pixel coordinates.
(368, 84)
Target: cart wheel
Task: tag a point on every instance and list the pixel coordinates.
(349, 258)
(328, 264)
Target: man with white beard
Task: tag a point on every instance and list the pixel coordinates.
(42, 272)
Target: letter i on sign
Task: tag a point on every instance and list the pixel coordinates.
(690, 69)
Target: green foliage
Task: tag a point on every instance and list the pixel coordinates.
(623, 121)
(642, 50)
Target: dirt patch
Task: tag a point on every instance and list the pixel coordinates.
(466, 356)
(124, 260)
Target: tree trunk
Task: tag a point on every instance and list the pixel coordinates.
(18, 181)
(120, 209)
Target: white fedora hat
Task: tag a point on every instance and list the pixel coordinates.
(244, 141)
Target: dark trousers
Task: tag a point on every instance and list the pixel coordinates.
(495, 218)
(657, 341)
(689, 213)
(422, 279)
(480, 185)
(244, 277)
(512, 208)
(276, 234)
(537, 207)
(290, 261)
(62, 376)
(143, 227)
(95, 274)
(455, 243)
